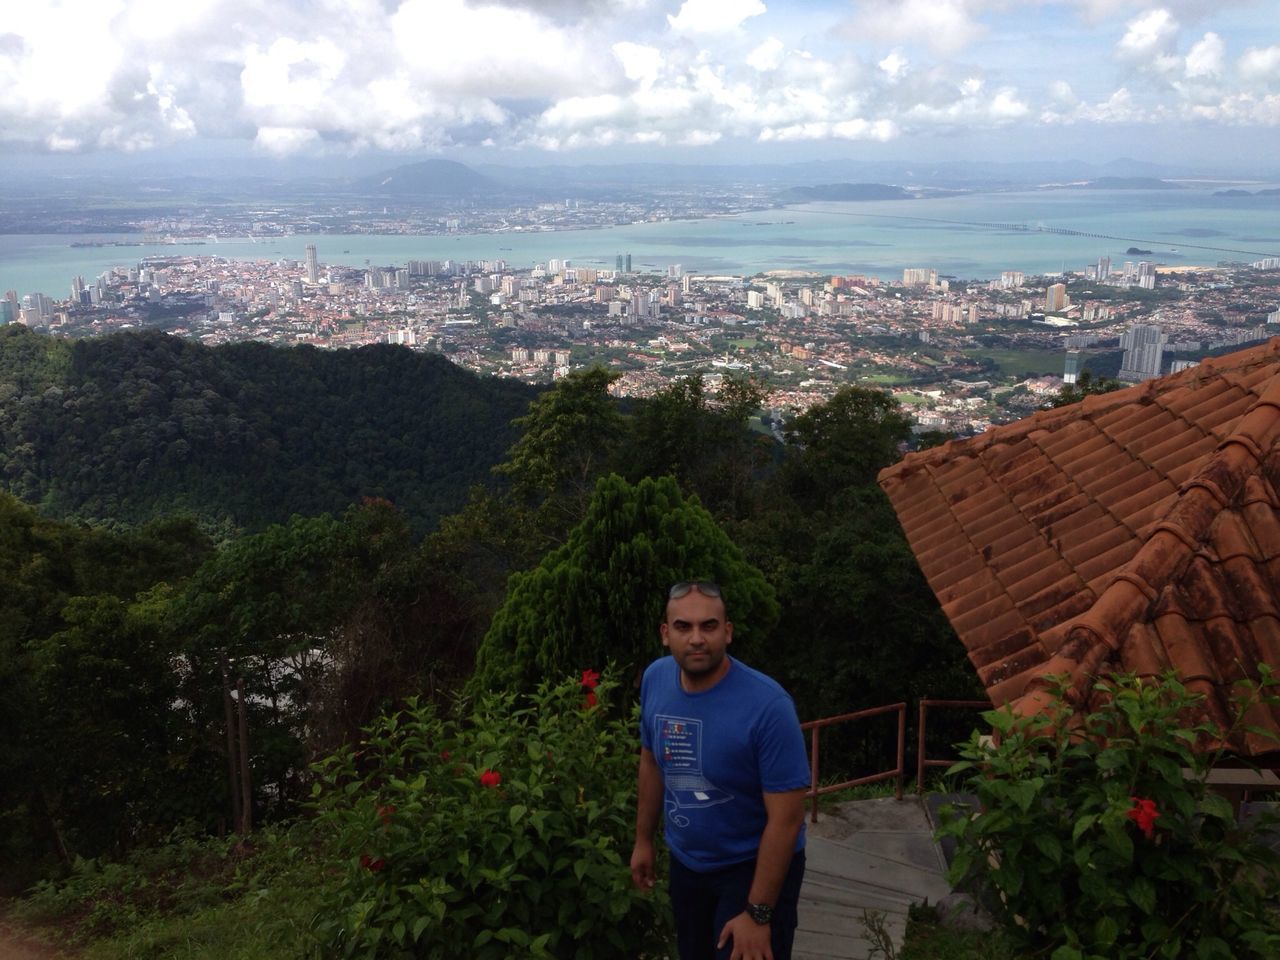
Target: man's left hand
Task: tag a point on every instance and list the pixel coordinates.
(751, 940)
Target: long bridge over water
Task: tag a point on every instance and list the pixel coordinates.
(1041, 228)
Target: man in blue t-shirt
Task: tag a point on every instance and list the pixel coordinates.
(722, 754)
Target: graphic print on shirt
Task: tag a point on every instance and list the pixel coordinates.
(680, 757)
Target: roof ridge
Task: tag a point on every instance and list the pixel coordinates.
(1097, 634)
(1090, 406)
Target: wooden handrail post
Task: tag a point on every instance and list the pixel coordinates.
(813, 771)
(902, 748)
(924, 708)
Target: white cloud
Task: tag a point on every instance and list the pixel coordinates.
(945, 26)
(639, 62)
(894, 65)
(1149, 36)
(1260, 65)
(700, 138)
(767, 56)
(1206, 57)
(714, 16)
(413, 75)
(281, 141)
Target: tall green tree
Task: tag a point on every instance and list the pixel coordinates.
(844, 442)
(93, 754)
(569, 437)
(599, 597)
(703, 441)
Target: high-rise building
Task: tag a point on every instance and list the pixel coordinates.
(1055, 298)
(1104, 268)
(618, 263)
(313, 265)
(1143, 352)
(919, 277)
(1071, 369)
(1146, 275)
(627, 263)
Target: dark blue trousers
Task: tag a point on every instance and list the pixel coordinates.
(704, 902)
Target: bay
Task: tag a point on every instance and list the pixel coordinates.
(972, 236)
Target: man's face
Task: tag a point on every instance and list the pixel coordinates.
(697, 634)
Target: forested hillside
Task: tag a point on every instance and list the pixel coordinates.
(135, 426)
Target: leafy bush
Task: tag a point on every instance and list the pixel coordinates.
(506, 833)
(1089, 841)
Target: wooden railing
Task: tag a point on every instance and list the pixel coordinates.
(815, 728)
(922, 760)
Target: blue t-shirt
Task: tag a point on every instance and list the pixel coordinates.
(719, 750)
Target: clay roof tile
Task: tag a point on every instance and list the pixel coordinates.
(1137, 530)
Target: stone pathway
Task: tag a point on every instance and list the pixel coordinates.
(865, 856)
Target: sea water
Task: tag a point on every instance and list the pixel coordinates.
(971, 236)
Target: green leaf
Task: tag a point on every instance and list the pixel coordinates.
(1143, 893)
(1049, 845)
(1082, 825)
(1065, 952)
(516, 812)
(1213, 948)
(1105, 931)
(418, 926)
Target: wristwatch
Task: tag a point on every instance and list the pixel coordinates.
(761, 913)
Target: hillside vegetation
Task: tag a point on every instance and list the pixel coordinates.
(136, 426)
(167, 683)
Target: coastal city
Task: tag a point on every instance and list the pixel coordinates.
(934, 341)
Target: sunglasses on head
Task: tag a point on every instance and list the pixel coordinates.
(705, 587)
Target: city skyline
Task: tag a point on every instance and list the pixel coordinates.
(569, 81)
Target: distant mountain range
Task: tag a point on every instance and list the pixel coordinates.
(848, 191)
(436, 178)
(430, 178)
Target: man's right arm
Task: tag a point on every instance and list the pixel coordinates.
(648, 810)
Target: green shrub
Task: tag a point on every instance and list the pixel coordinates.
(507, 833)
(1089, 841)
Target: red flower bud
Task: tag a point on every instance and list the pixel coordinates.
(490, 778)
(590, 678)
(590, 701)
(372, 865)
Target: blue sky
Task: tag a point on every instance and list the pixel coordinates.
(566, 81)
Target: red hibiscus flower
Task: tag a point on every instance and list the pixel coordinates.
(372, 865)
(1144, 814)
(590, 701)
(490, 778)
(590, 678)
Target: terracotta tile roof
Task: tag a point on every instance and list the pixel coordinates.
(1133, 531)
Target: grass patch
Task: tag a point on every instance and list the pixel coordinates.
(911, 399)
(928, 939)
(193, 899)
(1022, 363)
(885, 379)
